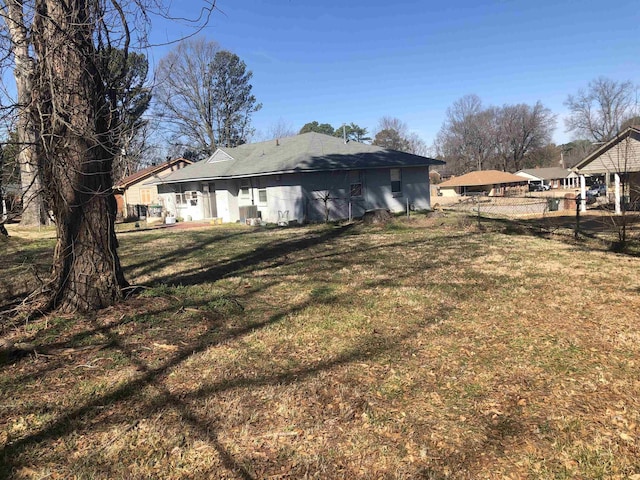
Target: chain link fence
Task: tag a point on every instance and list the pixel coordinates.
(510, 206)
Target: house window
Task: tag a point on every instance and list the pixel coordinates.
(396, 182)
(180, 200)
(145, 196)
(244, 190)
(355, 180)
(193, 198)
(262, 195)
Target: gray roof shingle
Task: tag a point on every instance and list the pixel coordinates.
(547, 173)
(308, 152)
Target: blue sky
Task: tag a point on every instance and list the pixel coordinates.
(356, 61)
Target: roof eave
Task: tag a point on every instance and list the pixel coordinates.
(288, 172)
(604, 147)
(159, 168)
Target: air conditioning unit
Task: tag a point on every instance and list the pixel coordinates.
(248, 211)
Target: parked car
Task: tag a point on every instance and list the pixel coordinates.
(590, 199)
(597, 190)
(538, 187)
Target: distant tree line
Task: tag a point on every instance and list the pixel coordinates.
(514, 137)
(350, 131)
(392, 133)
(509, 138)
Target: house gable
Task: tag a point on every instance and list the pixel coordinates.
(219, 156)
(619, 155)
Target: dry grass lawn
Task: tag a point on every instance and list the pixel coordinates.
(428, 349)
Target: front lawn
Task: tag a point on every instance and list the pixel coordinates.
(424, 349)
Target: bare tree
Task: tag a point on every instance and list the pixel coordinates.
(205, 96)
(416, 145)
(392, 123)
(18, 22)
(3, 203)
(394, 134)
(279, 129)
(74, 119)
(184, 95)
(467, 139)
(521, 130)
(599, 112)
(475, 138)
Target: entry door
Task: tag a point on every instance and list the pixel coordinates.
(209, 204)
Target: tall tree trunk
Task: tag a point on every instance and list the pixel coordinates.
(73, 120)
(3, 213)
(33, 212)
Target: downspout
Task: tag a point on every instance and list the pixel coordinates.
(618, 195)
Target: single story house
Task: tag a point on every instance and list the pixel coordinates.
(307, 177)
(555, 177)
(486, 182)
(618, 160)
(133, 197)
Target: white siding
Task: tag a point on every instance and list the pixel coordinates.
(299, 196)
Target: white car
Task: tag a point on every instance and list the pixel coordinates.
(597, 190)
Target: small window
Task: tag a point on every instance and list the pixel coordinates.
(396, 182)
(193, 199)
(145, 196)
(180, 200)
(355, 178)
(262, 195)
(244, 190)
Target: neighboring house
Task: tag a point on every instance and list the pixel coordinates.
(618, 160)
(302, 178)
(133, 198)
(487, 182)
(555, 177)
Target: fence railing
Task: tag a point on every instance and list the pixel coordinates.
(511, 207)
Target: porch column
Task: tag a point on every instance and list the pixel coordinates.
(583, 194)
(617, 193)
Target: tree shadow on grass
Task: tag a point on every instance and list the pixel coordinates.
(274, 250)
(596, 233)
(92, 412)
(199, 240)
(23, 269)
(281, 253)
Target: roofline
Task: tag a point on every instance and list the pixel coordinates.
(287, 172)
(157, 168)
(604, 147)
(524, 180)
